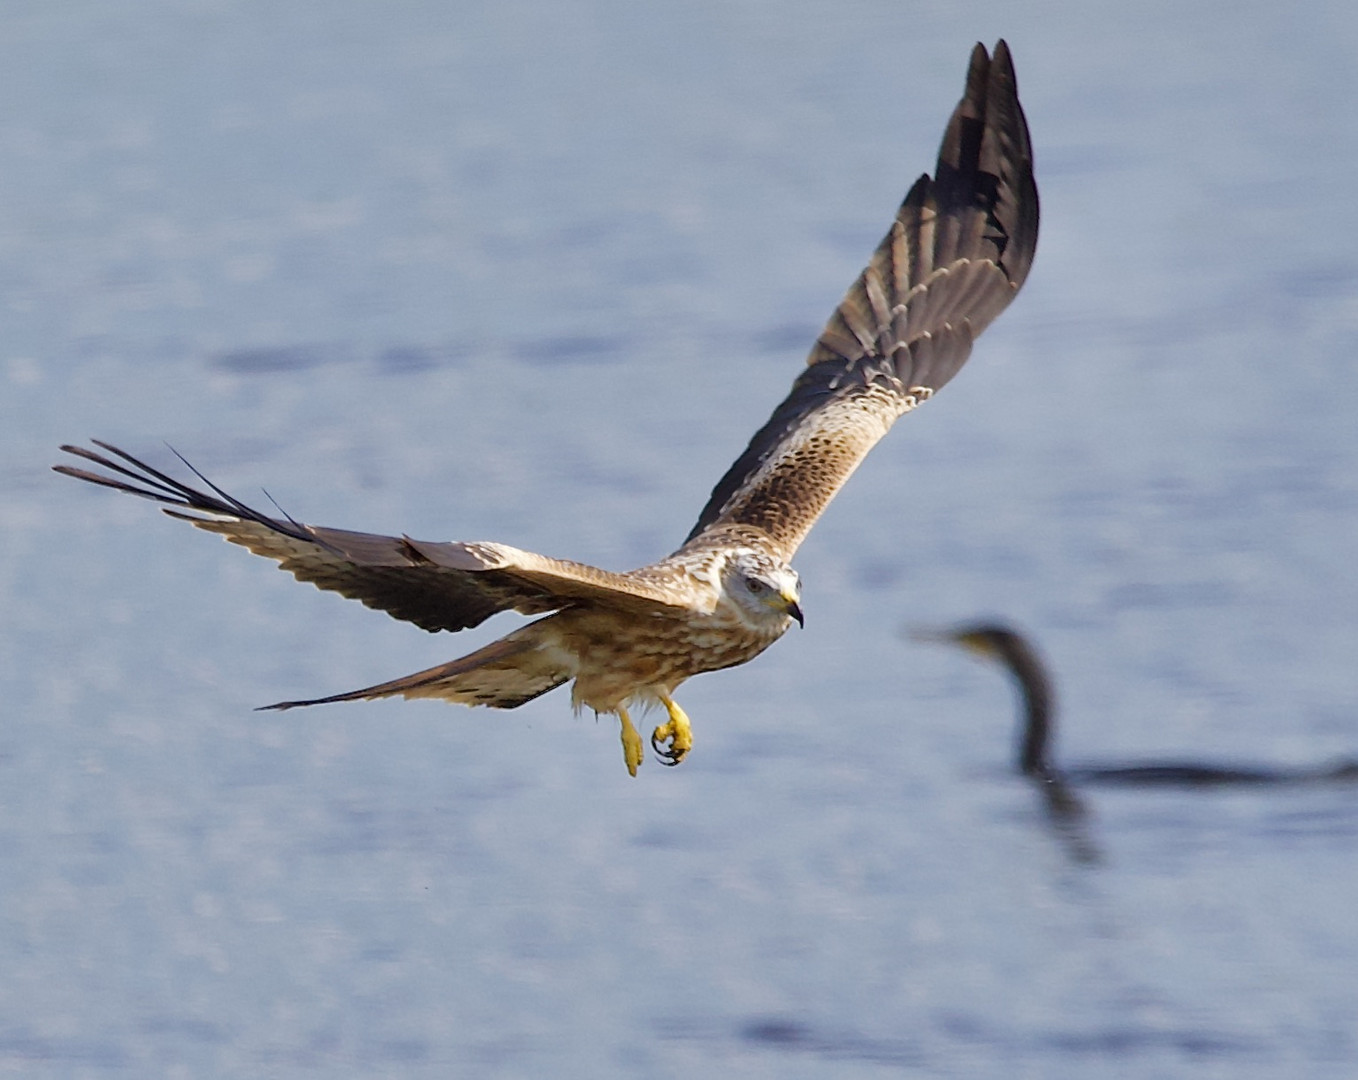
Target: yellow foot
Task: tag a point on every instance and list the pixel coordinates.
(672, 741)
(632, 752)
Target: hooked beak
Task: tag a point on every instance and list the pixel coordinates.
(795, 610)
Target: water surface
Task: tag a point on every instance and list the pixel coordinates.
(534, 273)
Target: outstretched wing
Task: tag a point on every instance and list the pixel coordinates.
(437, 586)
(959, 249)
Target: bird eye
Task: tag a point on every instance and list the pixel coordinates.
(755, 585)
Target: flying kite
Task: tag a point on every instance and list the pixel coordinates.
(956, 254)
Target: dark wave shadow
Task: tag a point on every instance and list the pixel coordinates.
(786, 1035)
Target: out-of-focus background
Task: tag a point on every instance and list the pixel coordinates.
(534, 272)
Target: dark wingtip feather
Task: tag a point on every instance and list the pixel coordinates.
(164, 488)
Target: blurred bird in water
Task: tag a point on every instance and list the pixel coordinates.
(1006, 646)
(1003, 644)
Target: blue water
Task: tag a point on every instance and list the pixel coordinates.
(534, 272)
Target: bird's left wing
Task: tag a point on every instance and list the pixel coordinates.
(436, 585)
(957, 253)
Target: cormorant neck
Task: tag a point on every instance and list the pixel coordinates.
(1038, 706)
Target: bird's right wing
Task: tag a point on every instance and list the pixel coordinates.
(435, 585)
(957, 253)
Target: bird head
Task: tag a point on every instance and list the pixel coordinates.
(992, 641)
(987, 640)
(763, 588)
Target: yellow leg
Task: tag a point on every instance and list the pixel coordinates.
(632, 753)
(673, 741)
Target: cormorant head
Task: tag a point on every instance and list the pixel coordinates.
(993, 641)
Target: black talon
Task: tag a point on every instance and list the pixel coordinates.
(666, 754)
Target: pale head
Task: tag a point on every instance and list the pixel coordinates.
(765, 591)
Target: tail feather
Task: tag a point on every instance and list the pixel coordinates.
(503, 675)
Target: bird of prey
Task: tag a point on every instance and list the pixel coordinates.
(959, 249)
